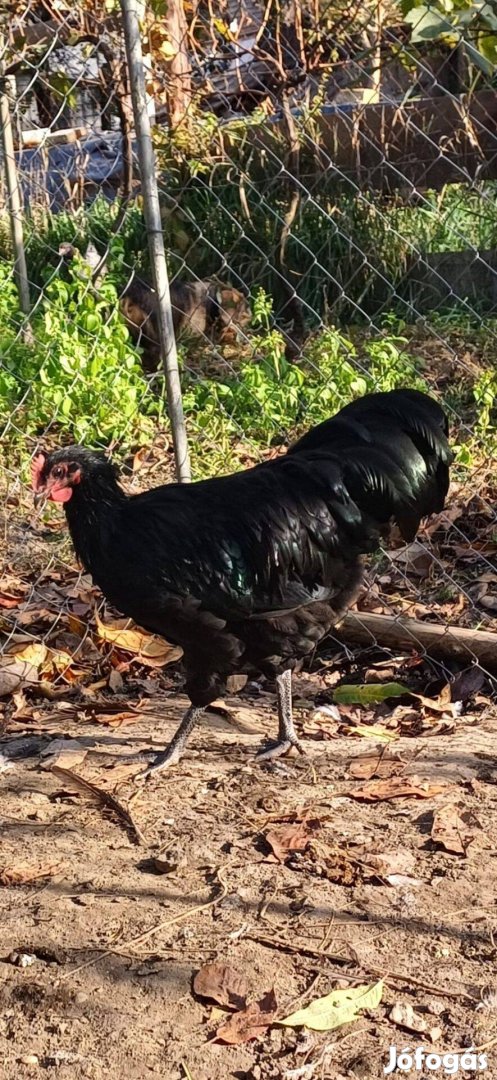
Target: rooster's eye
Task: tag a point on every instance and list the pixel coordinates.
(58, 472)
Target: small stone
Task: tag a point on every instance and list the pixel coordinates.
(22, 960)
(29, 1059)
(436, 1008)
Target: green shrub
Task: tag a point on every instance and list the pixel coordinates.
(269, 398)
(81, 377)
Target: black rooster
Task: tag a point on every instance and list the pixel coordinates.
(249, 572)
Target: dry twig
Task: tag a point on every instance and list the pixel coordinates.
(163, 925)
(103, 797)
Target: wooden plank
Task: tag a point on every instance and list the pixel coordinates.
(44, 136)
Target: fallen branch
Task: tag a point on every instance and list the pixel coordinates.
(443, 642)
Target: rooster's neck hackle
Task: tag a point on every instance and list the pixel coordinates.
(93, 514)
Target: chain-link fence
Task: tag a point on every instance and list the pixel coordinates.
(327, 180)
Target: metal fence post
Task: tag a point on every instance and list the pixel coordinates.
(153, 222)
(14, 199)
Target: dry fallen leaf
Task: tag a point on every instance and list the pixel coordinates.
(23, 875)
(452, 829)
(415, 558)
(15, 674)
(147, 648)
(35, 653)
(116, 681)
(337, 1008)
(405, 1017)
(358, 864)
(142, 457)
(31, 615)
(403, 881)
(241, 716)
(10, 601)
(489, 602)
(397, 787)
(295, 837)
(34, 663)
(444, 703)
(64, 752)
(323, 723)
(376, 764)
(390, 863)
(216, 1014)
(443, 521)
(221, 983)
(251, 1022)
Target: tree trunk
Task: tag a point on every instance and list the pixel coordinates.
(178, 92)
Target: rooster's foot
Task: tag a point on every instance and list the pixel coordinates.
(161, 761)
(279, 748)
(172, 753)
(287, 736)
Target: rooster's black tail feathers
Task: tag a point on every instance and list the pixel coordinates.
(394, 453)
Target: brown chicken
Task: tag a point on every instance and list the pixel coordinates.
(203, 308)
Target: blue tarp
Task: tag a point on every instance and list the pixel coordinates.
(48, 173)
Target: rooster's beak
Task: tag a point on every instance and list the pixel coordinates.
(39, 498)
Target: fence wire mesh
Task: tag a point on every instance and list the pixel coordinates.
(328, 196)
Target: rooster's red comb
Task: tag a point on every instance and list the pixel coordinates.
(37, 466)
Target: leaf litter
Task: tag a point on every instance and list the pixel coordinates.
(149, 649)
(398, 787)
(372, 710)
(306, 846)
(283, 839)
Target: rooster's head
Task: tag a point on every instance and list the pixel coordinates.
(55, 476)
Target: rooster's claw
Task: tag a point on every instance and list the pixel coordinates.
(160, 762)
(278, 749)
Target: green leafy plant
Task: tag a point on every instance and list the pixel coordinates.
(472, 22)
(81, 376)
(269, 399)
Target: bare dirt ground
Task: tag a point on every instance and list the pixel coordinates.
(372, 858)
(112, 944)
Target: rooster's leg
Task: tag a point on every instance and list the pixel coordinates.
(173, 752)
(286, 732)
